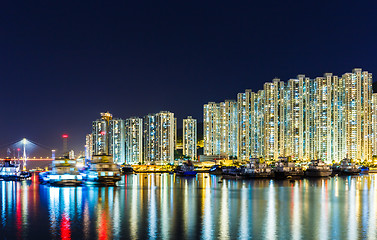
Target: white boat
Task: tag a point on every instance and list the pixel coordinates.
(10, 171)
(101, 170)
(64, 173)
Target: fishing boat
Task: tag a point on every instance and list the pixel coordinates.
(231, 172)
(286, 169)
(101, 170)
(256, 169)
(10, 171)
(186, 170)
(347, 167)
(64, 173)
(318, 168)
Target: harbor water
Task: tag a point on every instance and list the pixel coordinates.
(164, 206)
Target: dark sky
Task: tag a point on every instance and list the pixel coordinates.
(64, 62)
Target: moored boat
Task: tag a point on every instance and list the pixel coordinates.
(64, 173)
(364, 169)
(256, 169)
(286, 169)
(101, 171)
(347, 167)
(231, 172)
(215, 170)
(10, 171)
(186, 170)
(318, 168)
(126, 169)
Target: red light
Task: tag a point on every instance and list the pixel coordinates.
(18, 149)
(103, 133)
(64, 136)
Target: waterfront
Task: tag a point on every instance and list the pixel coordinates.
(163, 206)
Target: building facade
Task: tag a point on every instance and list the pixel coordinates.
(327, 117)
(220, 128)
(100, 129)
(134, 140)
(159, 138)
(89, 146)
(190, 138)
(116, 137)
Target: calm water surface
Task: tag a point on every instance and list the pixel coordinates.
(163, 206)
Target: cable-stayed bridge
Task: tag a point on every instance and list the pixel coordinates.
(32, 148)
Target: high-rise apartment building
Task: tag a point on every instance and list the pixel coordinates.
(149, 138)
(212, 130)
(358, 109)
(108, 137)
(100, 129)
(228, 128)
(220, 128)
(274, 119)
(89, 146)
(374, 124)
(134, 140)
(116, 138)
(190, 138)
(166, 137)
(327, 117)
(246, 123)
(159, 138)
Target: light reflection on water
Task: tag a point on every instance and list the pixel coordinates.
(164, 206)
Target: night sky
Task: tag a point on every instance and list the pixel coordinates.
(64, 62)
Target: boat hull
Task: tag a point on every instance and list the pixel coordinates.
(126, 170)
(232, 176)
(102, 180)
(350, 172)
(186, 173)
(258, 175)
(318, 173)
(22, 176)
(288, 175)
(63, 183)
(11, 178)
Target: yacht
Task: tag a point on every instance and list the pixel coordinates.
(10, 170)
(64, 173)
(256, 169)
(101, 170)
(318, 168)
(286, 169)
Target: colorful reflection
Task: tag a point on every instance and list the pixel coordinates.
(148, 206)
